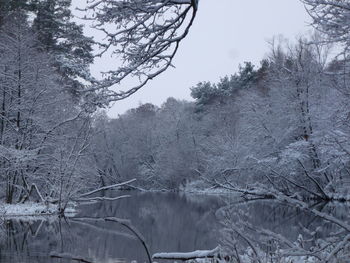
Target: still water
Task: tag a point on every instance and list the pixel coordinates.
(167, 223)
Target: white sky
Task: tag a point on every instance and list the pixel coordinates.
(225, 34)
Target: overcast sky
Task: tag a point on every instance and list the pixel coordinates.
(225, 34)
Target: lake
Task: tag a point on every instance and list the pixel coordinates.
(168, 222)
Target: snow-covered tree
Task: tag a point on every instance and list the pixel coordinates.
(43, 133)
(331, 17)
(143, 36)
(7, 7)
(65, 41)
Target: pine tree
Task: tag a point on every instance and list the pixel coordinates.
(65, 40)
(9, 6)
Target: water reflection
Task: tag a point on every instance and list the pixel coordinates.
(277, 229)
(167, 222)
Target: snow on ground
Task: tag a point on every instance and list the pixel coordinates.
(31, 209)
(210, 191)
(200, 187)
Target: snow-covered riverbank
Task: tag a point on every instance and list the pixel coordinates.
(31, 209)
(200, 187)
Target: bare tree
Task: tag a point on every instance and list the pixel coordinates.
(331, 17)
(144, 35)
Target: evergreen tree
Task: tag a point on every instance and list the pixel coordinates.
(9, 6)
(65, 40)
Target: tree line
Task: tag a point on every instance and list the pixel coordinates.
(282, 125)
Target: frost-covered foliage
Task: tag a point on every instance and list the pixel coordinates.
(281, 125)
(43, 133)
(332, 18)
(155, 144)
(284, 128)
(69, 48)
(61, 37)
(45, 112)
(143, 36)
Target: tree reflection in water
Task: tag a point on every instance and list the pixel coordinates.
(168, 222)
(271, 231)
(174, 222)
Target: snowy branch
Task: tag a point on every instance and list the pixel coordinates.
(145, 35)
(106, 188)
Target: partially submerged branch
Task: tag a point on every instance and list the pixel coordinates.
(85, 196)
(125, 223)
(99, 198)
(106, 188)
(69, 257)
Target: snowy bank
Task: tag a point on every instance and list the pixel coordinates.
(31, 209)
(201, 187)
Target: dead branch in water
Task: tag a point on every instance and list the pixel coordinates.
(69, 256)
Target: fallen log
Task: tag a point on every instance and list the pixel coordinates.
(188, 255)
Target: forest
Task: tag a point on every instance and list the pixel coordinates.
(279, 130)
(282, 125)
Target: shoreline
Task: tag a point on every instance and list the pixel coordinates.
(32, 209)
